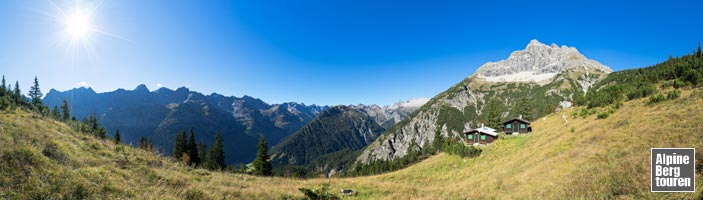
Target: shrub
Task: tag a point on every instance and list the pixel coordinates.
(194, 194)
(573, 130)
(320, 192)
(678, 83)
(460, 149)
(673, 94)
(602, 115)
(643, 91)
(52, 151)
(656, 98)
(5, 103)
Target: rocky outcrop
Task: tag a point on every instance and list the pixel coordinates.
(536, 63)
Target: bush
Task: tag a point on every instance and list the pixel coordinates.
(194, 194)
(51, 150)
(673, 94)
(656, 98)
(320, 192)
(643, 91)
(460, 149)
(678, 83)
(602, 115)
(5, 103)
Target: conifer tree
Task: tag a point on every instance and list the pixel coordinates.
(492, 117)
(261, 163)
(145, 143)
(523, 107)
(202, 152)
(117, 136)
(18, 94)
(179, 147)
(35, 94)
(193, 149)
(65, 110)
(55, 113)
(3, 87)
(101, 132)
(217, 154)
(699, 53)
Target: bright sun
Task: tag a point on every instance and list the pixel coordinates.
(77, 20)
(78, 25)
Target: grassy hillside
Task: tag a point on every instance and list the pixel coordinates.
(600, 158)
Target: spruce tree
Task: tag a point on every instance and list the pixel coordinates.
(193, 149)
(18, 94)
(261, 163)
(3, 87)
(117, 136)
(492, 117)
(65, 110)
(523, 107)
(202, 152)
(55, 113)
(142, 143)
(217, 154)
(145, 143)
(35, 94)
(699, 53)
(179, 147)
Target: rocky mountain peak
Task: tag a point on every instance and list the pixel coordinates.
(538, 62)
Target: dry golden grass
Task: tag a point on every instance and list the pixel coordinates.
(602, 159)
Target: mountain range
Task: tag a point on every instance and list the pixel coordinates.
(532, 82)
(160, 114)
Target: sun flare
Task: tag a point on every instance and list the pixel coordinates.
(78, 25)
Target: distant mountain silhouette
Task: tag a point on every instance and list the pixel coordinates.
(160, 114)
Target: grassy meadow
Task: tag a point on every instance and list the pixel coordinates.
(566, 157)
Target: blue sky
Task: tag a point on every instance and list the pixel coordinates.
(324, 52)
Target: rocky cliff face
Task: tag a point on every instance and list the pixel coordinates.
(536, 63)
(532, 82)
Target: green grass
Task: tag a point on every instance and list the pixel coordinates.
(604, 159)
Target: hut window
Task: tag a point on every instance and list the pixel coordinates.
(470, 137)
(483, 137)
(509, 126)
(522, 125)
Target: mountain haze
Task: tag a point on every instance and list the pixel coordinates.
(160, 114)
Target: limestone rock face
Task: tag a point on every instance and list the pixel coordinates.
(536, 63)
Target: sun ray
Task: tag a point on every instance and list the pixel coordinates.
(79, 25)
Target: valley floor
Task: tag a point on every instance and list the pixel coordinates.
(576, 158)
